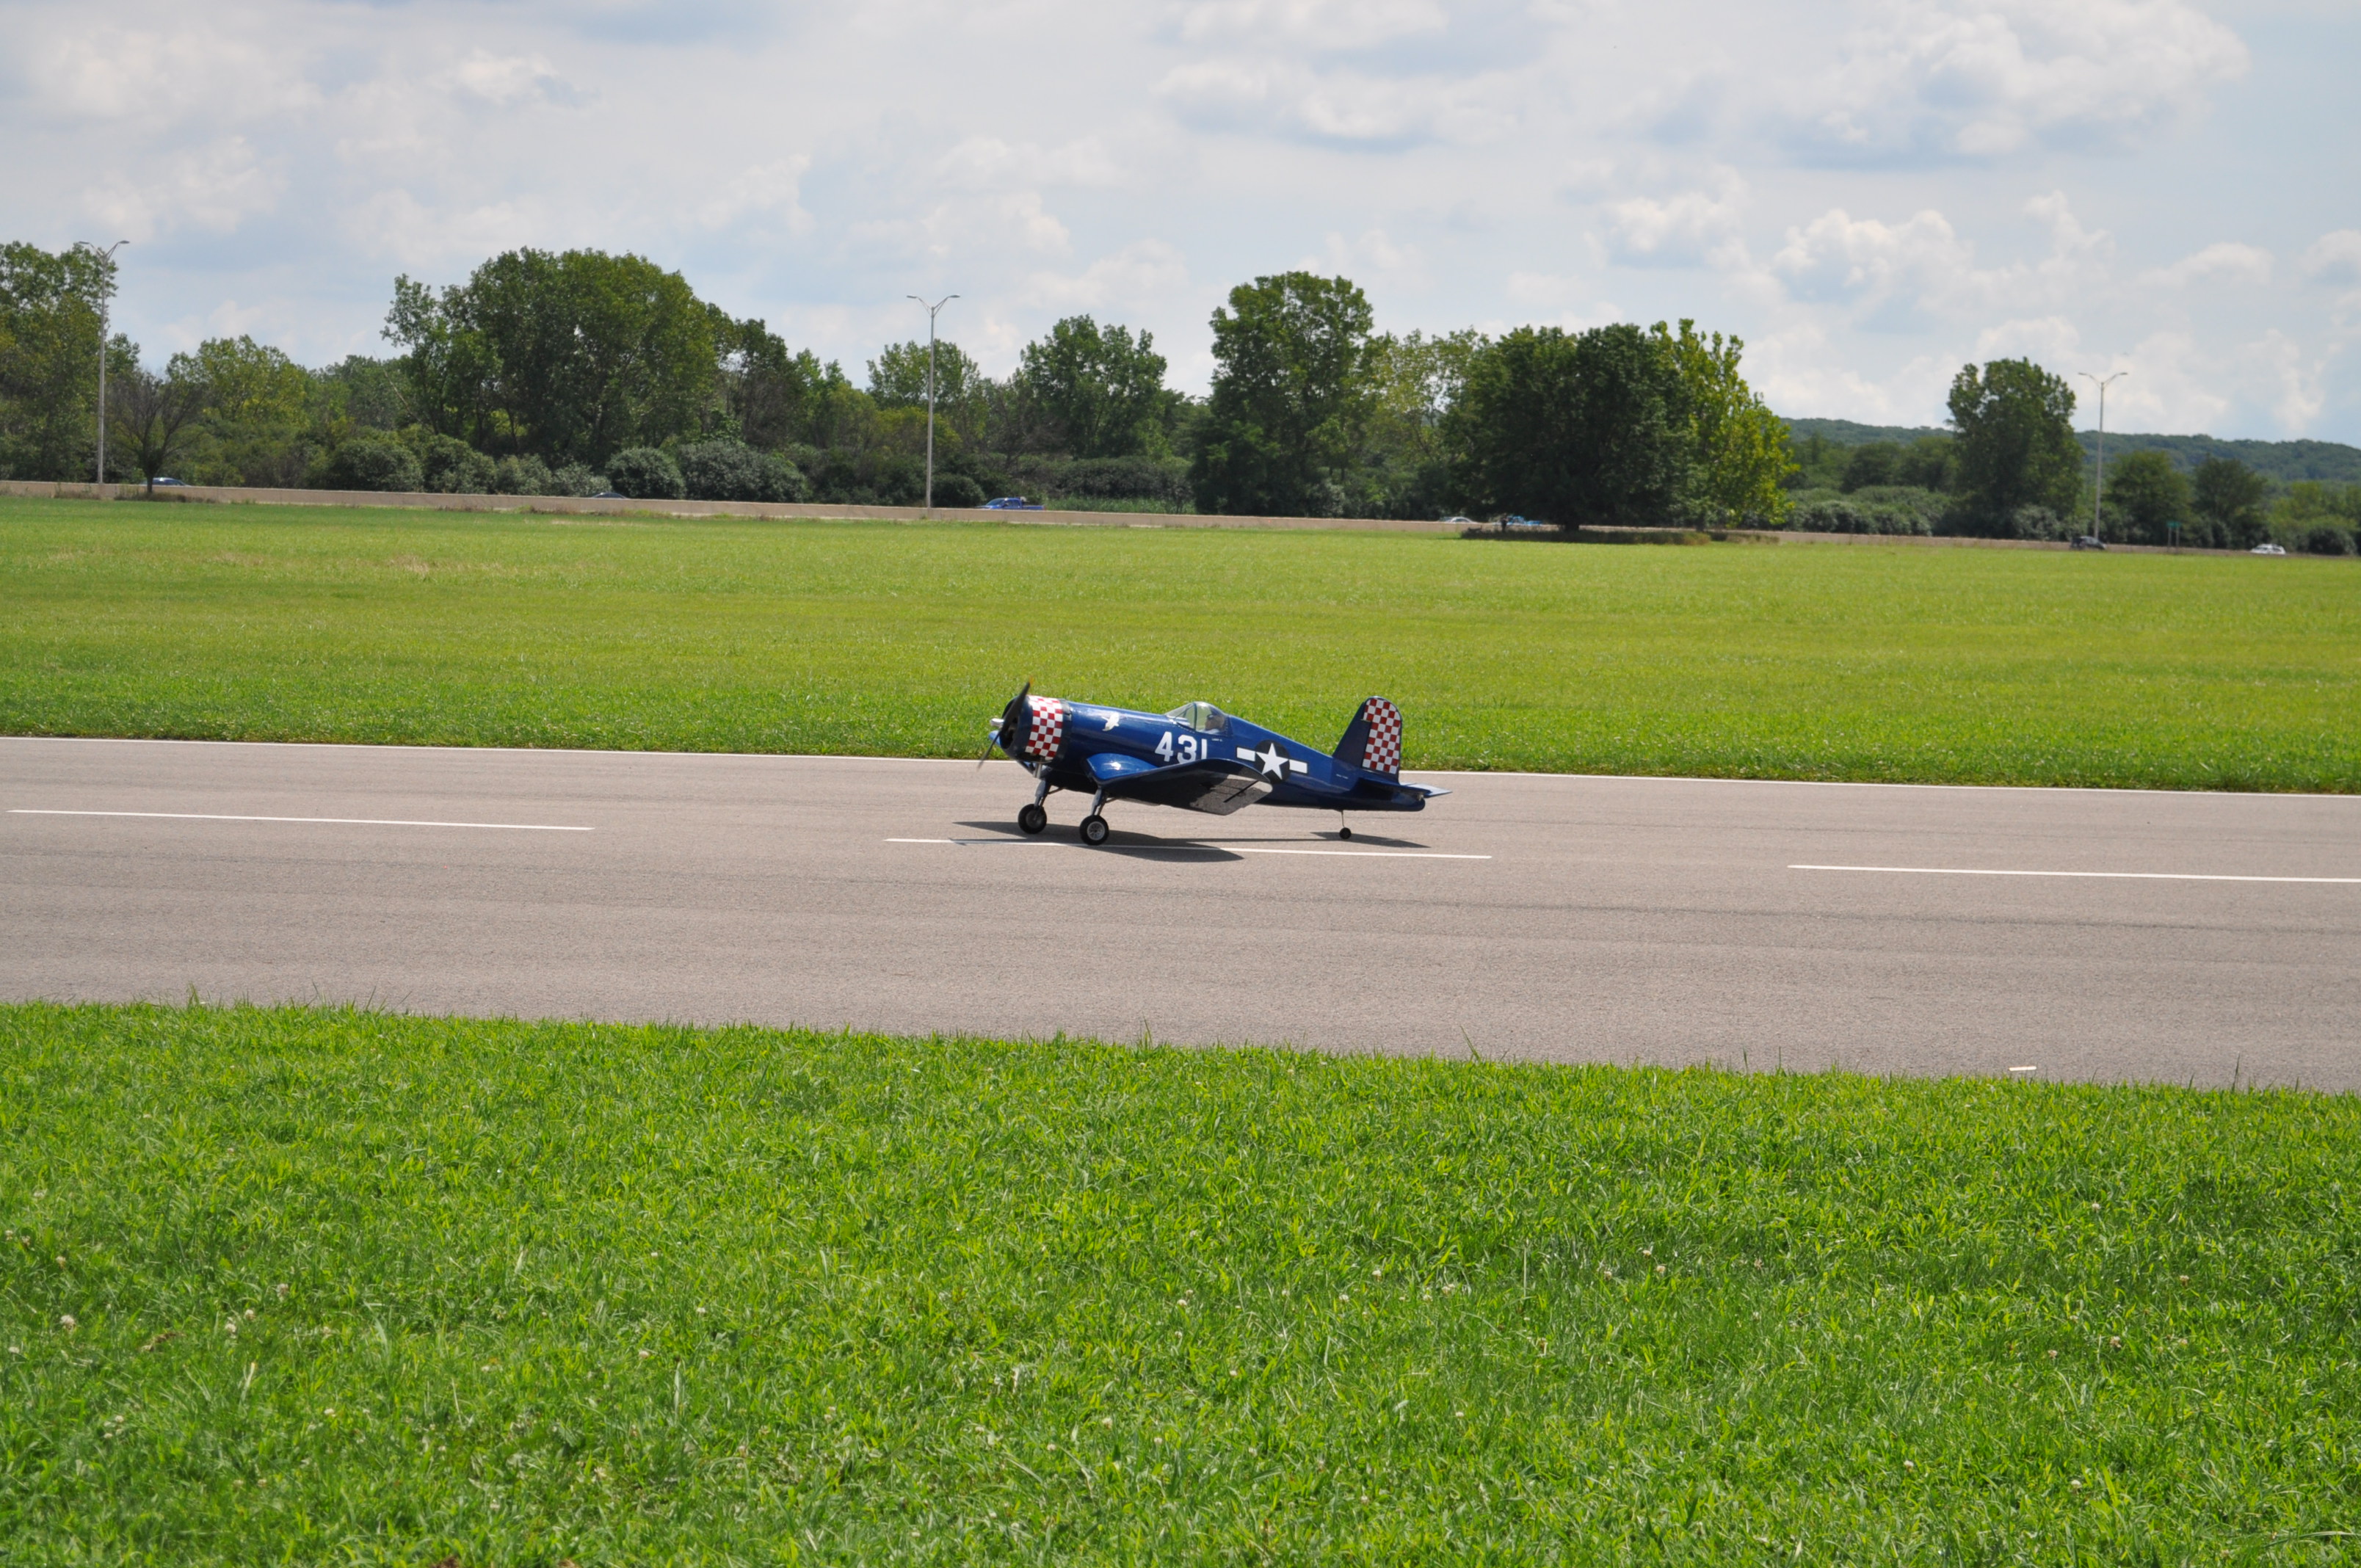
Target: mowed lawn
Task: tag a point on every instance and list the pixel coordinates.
(1822, 662)
(332, 1286)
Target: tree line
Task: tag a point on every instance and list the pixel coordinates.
(570, 373)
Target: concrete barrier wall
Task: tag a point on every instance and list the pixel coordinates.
(573, 506)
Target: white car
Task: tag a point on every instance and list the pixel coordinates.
(2267, 548)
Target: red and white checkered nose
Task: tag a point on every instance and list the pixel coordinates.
(1045, 729)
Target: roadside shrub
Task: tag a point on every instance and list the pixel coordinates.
(2033, 521)
(375, 463)
(1126, 479)
(2327, 539)
(782, 480)
(958, 490)
(645, 474)
(724, 471)
(574, 479)
(1854, 516)
(526, 476)
(450, 466)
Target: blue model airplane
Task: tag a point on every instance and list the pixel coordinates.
(1200, 758)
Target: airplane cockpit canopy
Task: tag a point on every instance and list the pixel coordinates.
(1201, 716)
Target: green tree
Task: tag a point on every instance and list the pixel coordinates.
(2015, 446)
(2226, 497)
(778, 397)
(1289, 399)
(570, 357)
(1738, 447)
(897, 379)
(153, 415)
(1100, 390)
(2145, 492)
(258, 425)
(52, 310)
(1404, 467)
(1592, 429)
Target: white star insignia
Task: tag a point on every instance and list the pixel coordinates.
(1273, 761)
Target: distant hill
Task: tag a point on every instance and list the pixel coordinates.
(2283, 461)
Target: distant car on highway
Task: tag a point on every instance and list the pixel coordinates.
(1469, 521)
(1011, 503)
(1512, 520)
(2267, 548)
(2090, 541)
(162, 479)
(609, 496)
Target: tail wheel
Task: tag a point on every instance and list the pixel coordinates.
(1094, 829)
(1032, 819)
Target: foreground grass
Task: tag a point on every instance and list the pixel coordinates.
(332, 1287)
(1795, 662)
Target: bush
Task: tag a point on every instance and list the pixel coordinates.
(958, 490)
(2327, 539)
(645, 474)
(375, 463)
(574, 479)
(1858, 517)
(2033, 522)
(1125, 479)
(524, 477)
(448, 466)
(723, 471)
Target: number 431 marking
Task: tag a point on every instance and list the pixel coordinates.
(1187, 751)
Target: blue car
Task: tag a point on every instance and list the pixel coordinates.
(1199, 759)
(1011, 503)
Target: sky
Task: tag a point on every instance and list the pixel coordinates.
(1871, 192)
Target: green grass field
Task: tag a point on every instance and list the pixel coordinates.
(332, 1286)
(1790, 661)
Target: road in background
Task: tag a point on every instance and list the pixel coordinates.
(1568, 919)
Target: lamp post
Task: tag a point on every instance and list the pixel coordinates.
(930, 310)
(106, 254)
(2099, 477)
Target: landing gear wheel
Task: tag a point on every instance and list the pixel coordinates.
(1032, 819)
(1094, 829)
(1344, 832)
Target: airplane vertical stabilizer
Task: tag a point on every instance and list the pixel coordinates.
(1372, 742)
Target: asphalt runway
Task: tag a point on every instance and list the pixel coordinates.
(2092, 935)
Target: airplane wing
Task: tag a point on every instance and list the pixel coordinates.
(1214, 785)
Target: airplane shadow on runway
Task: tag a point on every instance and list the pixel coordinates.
(1121, 840)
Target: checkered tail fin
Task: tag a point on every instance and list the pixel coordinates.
(1372, 742)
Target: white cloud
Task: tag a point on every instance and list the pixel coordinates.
(1683, 230)
(508, 81)
(2334, 257)
(1139, 274)
(2224, 263)
(1253, 93)
(985, 161)
(157, 75)
(1985, 78)
(1321, 23)
(2052, 341)
(770, 190)
(1921, 267)
(213, 189)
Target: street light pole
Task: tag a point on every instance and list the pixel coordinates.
(2099, 477)
(937, 305)
(106, 255)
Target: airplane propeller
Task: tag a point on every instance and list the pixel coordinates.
(1011, 715)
